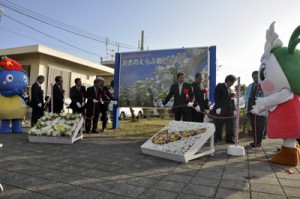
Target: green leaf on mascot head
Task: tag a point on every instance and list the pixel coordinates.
(3, 57)
(290, 64)
(289, 60)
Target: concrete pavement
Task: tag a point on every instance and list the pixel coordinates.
(109, 167)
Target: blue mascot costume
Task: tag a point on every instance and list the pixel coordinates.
(13, 82)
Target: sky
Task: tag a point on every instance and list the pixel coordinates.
(237, 28)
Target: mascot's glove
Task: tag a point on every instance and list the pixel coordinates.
(260, 105)
(218, 111)
(95, 101)
(190, 104)
(197, 108)
(82, 105)
(115, 102)
(78, 104)
(39, 105)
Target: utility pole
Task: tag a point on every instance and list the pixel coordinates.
(142, 41)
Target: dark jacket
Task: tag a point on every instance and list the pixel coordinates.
(58, 98)
(182, 99)
(199, 96)
(91, 107)
(77, 96)
(223, 100)
(36, 95)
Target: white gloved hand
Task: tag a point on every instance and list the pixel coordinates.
(234, 113)
(78, 104)
(95, 101)
(115, 102)
(162, 106)
(197, 108)
(101, 101)
(218, 111)
(82, 105)
(209, 103)
(190, 104)
(39, 105)
(260, 103)
(66, 104)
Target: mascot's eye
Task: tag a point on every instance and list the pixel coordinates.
(262, 72)
(9, 78)
(25, 79)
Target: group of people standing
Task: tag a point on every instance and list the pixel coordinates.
(189, 99)
(90, 102)
(190, 104)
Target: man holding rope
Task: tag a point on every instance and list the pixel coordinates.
(224, 109)
(92, 106)
(183, 99)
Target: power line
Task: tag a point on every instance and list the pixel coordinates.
(60, 25)
(50, 36)
(25, 36)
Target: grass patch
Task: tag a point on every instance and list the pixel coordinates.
(143, 128)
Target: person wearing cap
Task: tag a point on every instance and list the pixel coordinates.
(199, 92)
(105, 97)
(183, 97)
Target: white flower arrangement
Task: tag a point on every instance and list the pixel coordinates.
(178, 146)
(55, 125)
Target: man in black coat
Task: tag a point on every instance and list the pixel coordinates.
(106, 97)
(183, 97)
(224, 107)
(37, 100)
(58, 95)
(92, 107)
(200, 100)
(77, 95)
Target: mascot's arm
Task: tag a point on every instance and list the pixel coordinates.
(270, 102)
(9, 93)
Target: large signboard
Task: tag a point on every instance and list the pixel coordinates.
(143, 79)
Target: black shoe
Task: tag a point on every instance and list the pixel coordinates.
(94, 131)
(87, 132)
(264, 137)
(253, 145)
(103, 130)
(230, 142)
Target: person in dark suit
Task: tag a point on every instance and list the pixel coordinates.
(224, 107)
(105, 97)
(58, 95)
(183, 97)
(37, 100)
(200, 100)
(77, 95)
(92, 107)
(257, 121)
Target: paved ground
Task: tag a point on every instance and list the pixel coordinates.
(105, 167)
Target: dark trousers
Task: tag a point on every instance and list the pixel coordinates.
(37, 113)
(219, 123)
(197, 117)
(88, 122)
(258, 132)
(104, 117)
(186, 115)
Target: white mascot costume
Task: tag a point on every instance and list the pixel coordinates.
(279, 77)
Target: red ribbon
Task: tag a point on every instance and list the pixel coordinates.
(186, 92)
(205, 90)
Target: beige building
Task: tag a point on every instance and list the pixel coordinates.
(41, 60)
